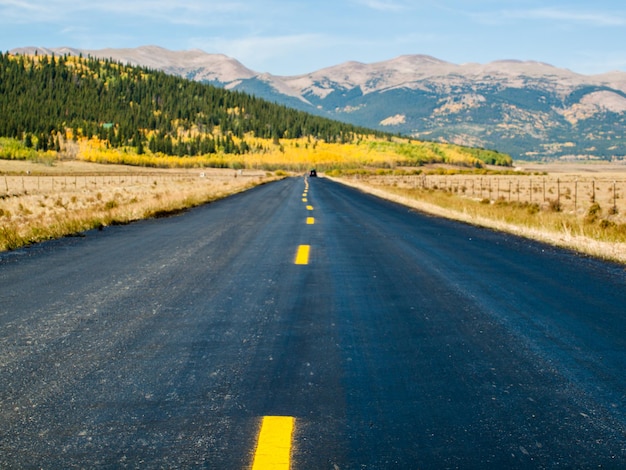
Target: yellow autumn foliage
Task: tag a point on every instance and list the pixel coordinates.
(290, 154)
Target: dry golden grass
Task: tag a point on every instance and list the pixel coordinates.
(594, 229)
(568, 194)
(44, 202)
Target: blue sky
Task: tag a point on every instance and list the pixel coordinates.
(289, 37)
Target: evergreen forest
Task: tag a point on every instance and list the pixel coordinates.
(43, 98)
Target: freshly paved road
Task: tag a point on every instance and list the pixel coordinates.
(406, 341)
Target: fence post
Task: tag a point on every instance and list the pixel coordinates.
(558, 192)
(575, 196)
(530, 190)
(614, 199)
(593, 191)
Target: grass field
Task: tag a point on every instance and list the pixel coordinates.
(40, 202)
(582, 207)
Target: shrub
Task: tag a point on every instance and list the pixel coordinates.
(24, 210)
(112, 204)
(10, 239)
(593, 213)
(554, 205)
(605, 224)
(533, 208)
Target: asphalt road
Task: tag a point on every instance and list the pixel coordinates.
(403, 341)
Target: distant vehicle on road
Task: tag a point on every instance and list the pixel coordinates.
(313, 173)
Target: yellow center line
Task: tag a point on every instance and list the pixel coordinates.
(273, 451)
(304, 199)
(302, 256)
(310, 220)
(309, 208)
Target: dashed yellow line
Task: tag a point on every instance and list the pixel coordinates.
(310, 220)
(302, 256)
(273, 450)
(309, 208)
(304, 199)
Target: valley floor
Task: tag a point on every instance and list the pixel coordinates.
(39, 202)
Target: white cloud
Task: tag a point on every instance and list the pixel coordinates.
(189, 11)
(17, 4)
(553, 14)
(382, 5)
(597, 19)
(23, 11)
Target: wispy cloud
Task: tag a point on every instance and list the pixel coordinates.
(553, 14)
(161, 7)
(382, 5)
(17, 4)
(55, 10)
(23, 11)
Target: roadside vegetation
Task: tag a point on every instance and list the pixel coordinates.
(595, 224)
(73, 197)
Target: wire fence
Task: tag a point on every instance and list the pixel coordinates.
(575, 195)
(12, 185)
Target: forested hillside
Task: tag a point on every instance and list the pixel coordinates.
(42, 97)
(114, 113)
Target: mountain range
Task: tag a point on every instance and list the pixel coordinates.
(530, 110)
